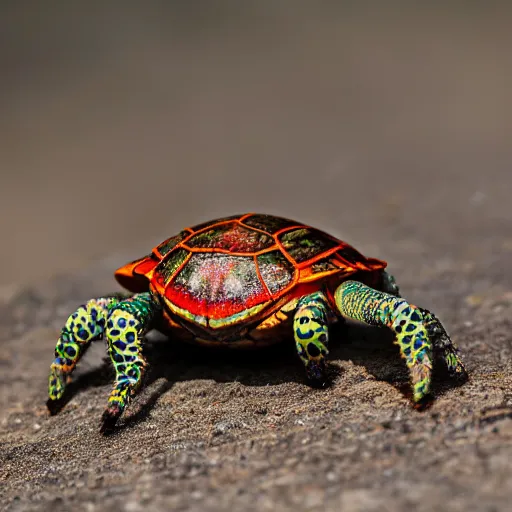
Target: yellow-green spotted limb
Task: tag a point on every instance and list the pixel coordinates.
(124, 321)
(310, 329)
(419, 335)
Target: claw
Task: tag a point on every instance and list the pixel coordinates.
(459, 373)
(444, 348)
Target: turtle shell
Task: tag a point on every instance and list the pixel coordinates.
(227, 271)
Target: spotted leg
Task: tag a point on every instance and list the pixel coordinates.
(360, 302)
(444, 348)
(311, 334)
(85, 325)
(127, 324)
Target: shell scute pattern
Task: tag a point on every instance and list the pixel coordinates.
(230, 267)
(268, 223)
(231, 237)
(203, 225)
(217, 285)
(166, 247)
(275, 270)
(326, 265)
(168, 267)
(305, 243)
(351, 256)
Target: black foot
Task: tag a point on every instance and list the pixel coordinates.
(55, 406)
(425, 403)
(109, 419)
(316, 373)
(460, 375)
(319, 383)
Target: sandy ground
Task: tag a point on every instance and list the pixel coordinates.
(390, 128)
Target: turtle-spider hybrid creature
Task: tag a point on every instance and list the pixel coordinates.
(248, 280)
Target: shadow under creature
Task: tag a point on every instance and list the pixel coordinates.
(369, 347)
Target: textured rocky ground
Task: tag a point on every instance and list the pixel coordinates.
(225, 432)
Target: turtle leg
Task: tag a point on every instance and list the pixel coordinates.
(127, 324)
(360, 302)
(85, 325)
(310, 329)
(444, 348)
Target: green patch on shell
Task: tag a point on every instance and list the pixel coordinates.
(168, 267)
(268, 223)
(305, 243)
(323, 266)
(165, 247)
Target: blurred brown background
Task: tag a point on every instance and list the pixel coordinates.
(121, 123)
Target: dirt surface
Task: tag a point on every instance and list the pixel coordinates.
(243, 432)
(390, 129)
